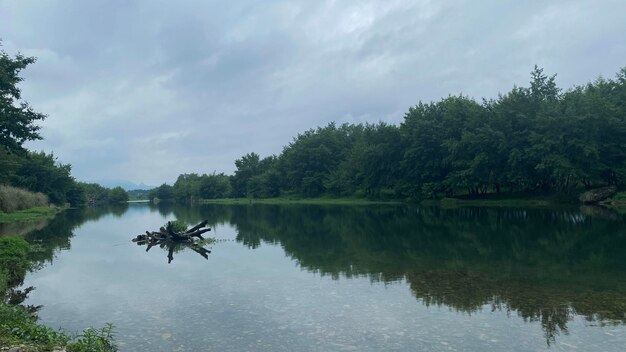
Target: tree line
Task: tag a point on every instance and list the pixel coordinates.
(37, 172)
(531, 140)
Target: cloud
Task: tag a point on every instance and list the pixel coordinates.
(147, 90)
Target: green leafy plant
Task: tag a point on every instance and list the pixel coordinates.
(95, 340)
(176, 226)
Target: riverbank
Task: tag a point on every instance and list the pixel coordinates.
(312, 201)
(499, 203)
(31, 214)
(503, 201)
(508, 202)
(616, 202)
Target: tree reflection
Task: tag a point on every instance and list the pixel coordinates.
(545, 265)
(175, 247)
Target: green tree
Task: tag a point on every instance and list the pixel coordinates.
(163, 192)
(214, 186)
(247, 167)
(40, 172)
(312, 157)
(187, 187)
(17, 118)
(118, 195)
(95, 193)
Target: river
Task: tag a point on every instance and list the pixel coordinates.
(340, 278)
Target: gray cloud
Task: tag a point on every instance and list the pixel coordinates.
(146, 90)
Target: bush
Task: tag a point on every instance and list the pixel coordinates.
(14, 199)
(94, 340)
(18, 326)
(176, 225)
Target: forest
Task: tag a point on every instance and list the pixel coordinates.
(535, 140)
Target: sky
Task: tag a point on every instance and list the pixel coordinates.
(143, 91)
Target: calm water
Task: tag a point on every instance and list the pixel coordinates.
(310, 278)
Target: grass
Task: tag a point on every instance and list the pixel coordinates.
(19, 327)
(32, 214)
(13, 199)
(314, 201)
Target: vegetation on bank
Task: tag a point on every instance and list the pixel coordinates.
(14, 199)
(317, 201)
(32, 214)
(97, 194)
(19, 205)
(536, 140)
(138, 195)
(18, 324)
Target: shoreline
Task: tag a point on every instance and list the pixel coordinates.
(307, 201)
(30, 214)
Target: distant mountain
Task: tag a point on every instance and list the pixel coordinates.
(127, 185)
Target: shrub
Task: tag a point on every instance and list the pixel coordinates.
(176, 226)
(18, 326)
(94, 340)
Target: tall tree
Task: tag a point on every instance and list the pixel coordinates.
(17, 118)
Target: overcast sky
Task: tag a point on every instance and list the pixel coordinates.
(145, 90)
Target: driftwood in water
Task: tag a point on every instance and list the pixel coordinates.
(167, 233)
(168, 238)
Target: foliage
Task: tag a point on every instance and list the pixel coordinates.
(94, 340)
(176, 226)
(255, 177)
(163, 192)
(94, 193)
(97, 194)
(41, 173)
(118, 195)
(138, 194)
(17, 118)
(19, 326)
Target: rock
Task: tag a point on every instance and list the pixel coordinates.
(598, 194)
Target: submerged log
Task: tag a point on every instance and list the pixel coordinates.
(168, 237)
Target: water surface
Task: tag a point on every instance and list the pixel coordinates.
(324, 278)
